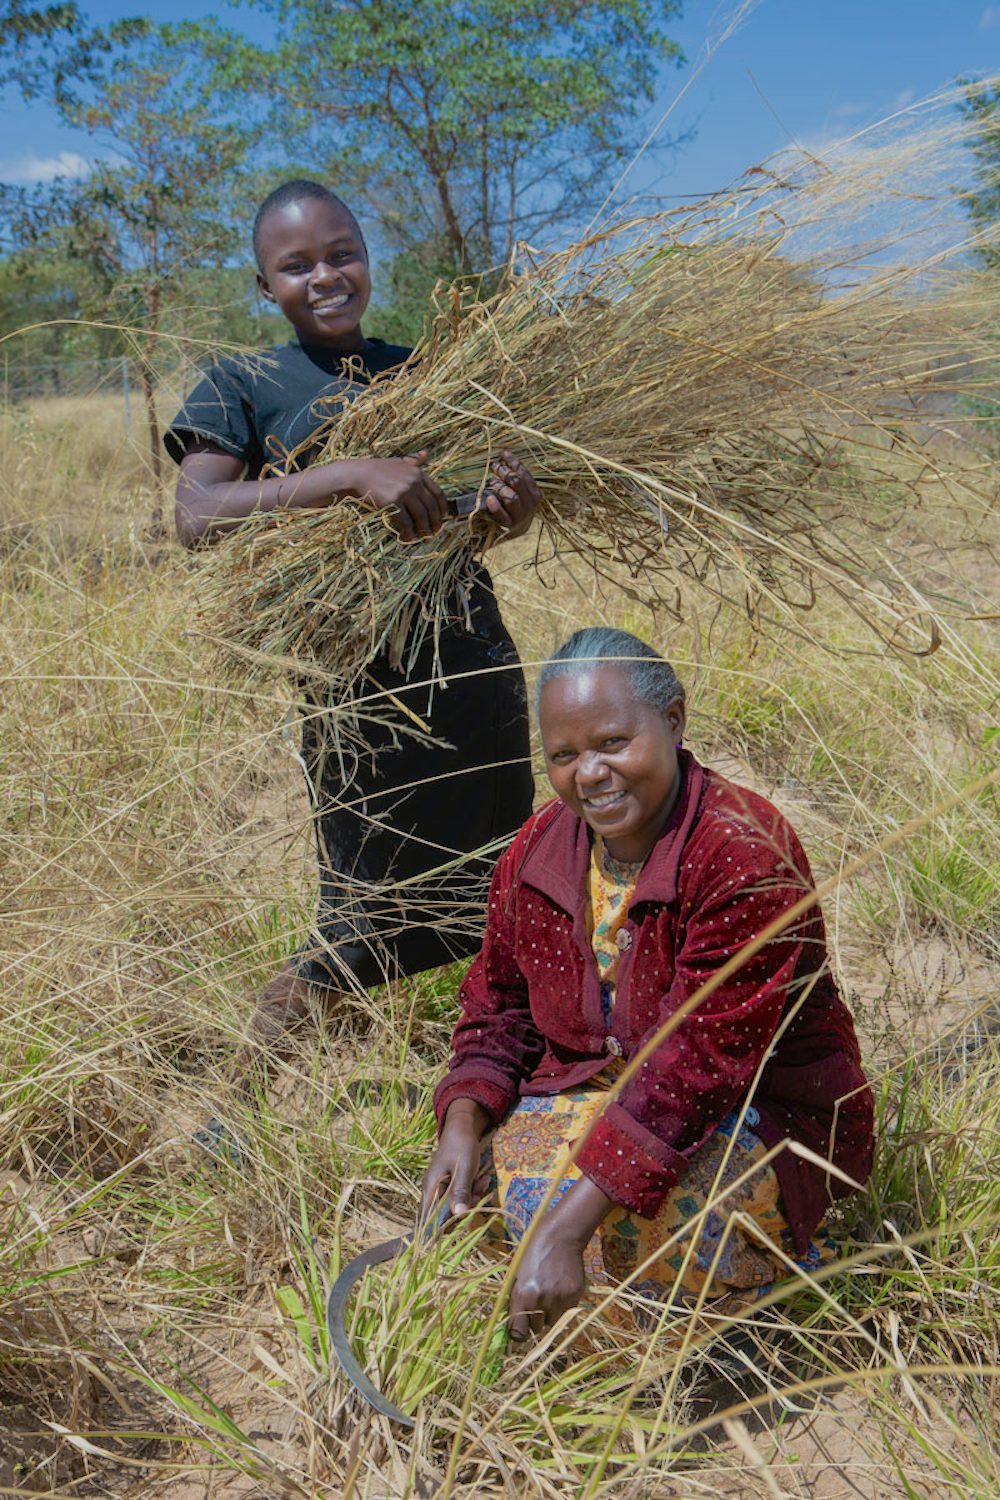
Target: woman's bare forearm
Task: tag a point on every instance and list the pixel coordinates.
(204, 512)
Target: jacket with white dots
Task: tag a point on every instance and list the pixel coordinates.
(726, 864)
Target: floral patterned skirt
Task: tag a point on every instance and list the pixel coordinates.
(737, 1248)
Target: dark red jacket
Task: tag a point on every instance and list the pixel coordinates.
(726, 864)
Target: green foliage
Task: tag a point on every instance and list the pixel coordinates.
(403, 291)
(470, 125)
(954, 879)
(982, 202)
(424, 1317)
(54, 345)
(932, 1198)
(174, 194)
(53, 292)
(26, 37)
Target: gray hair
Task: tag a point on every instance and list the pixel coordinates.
(650, 675)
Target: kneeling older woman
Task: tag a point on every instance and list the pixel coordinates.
(611, 907)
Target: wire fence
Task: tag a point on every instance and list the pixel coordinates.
(116, 376)
(26, 379)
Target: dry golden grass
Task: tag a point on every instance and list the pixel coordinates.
(70, 460)
(154, 865)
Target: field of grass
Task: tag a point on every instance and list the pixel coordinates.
(161, 1319)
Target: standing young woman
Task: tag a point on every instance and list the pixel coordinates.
(408, 807)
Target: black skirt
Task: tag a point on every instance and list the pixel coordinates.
(408, 833)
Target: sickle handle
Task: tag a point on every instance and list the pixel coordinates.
(464, 505)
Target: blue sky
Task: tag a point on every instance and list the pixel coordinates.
(804, 71)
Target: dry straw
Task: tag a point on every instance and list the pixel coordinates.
(742, 389)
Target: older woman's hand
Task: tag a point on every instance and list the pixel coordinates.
(551, 1277)
(454, 1167)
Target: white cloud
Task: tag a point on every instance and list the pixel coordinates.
(989, 18)
(31, 169)
(851, 110)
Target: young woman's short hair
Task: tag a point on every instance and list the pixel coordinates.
(650, 675)
(294, 191)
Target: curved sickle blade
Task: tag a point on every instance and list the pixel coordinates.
(336, 1322)
(336, 1311)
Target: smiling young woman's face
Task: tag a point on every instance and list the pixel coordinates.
(315, 267)
(611, 756)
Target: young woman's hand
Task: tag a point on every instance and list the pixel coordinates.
(551, 1277)
(213, 498)
(513, 497)
(454, 1167)
(399, 485)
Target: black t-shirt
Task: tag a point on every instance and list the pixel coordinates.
(261, 407)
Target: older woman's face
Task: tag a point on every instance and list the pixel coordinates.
(611, 756)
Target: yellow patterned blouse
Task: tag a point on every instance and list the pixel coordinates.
(611, 884)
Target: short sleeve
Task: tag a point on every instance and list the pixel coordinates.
(219, 410)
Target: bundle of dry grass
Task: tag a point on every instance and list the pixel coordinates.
(713, 386)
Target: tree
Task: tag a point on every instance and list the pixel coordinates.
(981, 108)
(465, 126)
(172, 194)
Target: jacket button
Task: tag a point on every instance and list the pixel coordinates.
(623, 940)
(614, 1046)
